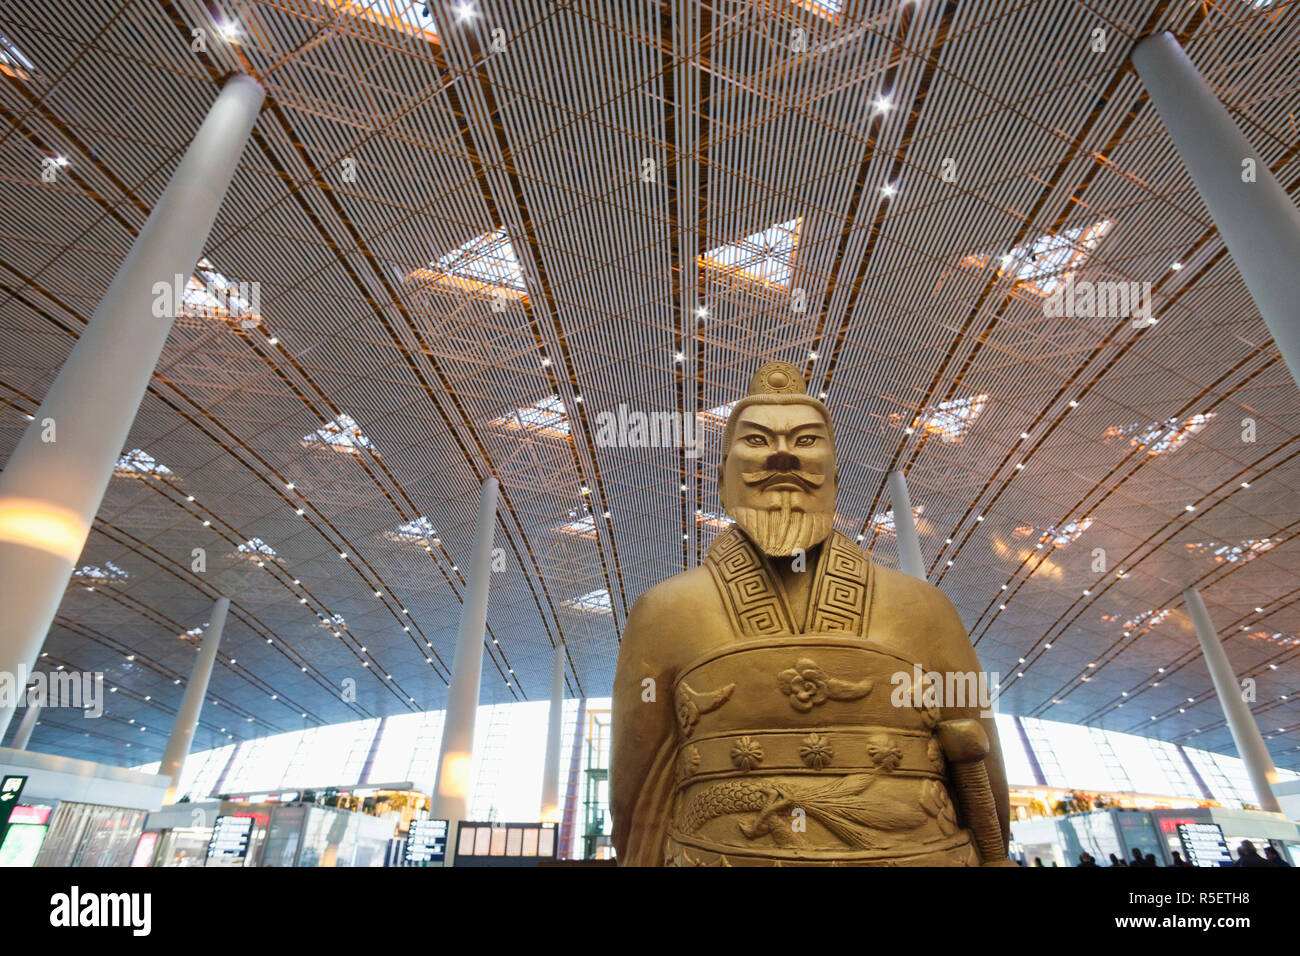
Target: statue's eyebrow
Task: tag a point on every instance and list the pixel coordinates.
(799, 428)
(753, 424)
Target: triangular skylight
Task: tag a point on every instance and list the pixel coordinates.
(830, 9)
(950, 420)
(545, 416)
(488, 261)
(107, 572)
(138, 462)
(1231, 553)
(1059, 537)
(583, 526)
(417, 529)
(721, 413)
(409, 16)
(766, 256)
(883, 521)
(597, 601)
(13, 61)
(342, 434)
(1160, 437)
(212, 295)
(1042, 264)
(256, 546)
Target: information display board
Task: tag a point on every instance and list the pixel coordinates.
(1203, 844)
(230, 838)
(426, 842)
(506, 844)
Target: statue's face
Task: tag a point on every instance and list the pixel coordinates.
(779, 479)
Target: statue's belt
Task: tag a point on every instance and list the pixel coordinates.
(821, 750)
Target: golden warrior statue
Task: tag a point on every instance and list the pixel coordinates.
(757, 719)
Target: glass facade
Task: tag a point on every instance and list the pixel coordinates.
(510, 741)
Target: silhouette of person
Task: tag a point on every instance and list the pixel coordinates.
(1247, 855)
(1273, 858)
(1116, 861)
(1179, 861)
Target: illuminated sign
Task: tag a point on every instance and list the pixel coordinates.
(426, 842)
(11, 788)
(1203, 844)
(230, 838)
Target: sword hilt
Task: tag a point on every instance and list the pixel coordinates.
(965, 744)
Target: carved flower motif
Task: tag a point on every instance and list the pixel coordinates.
(688, 761)
(804, 684)
(935, 800)
(747, 754)
(884, 752)
(815, 751)
(688, 712)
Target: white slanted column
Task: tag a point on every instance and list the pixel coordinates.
(909, 545)
(1245, 732)
(24, 735)
(451, 782)
(1257, 219)
(187, 716)
(54, 481)
(554, 730)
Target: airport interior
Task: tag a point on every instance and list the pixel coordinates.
(632, 434)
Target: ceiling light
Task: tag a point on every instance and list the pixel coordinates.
(464, 12)
(1176, 266)
(273, 341)
(1047, 647)
(888, 190)
(1024, 434)
(189, 497)
(546, 362)
(679, 357)
(882, 104)
(289, 486)
(1190, 508)
(1073, 403)
(343, 555)
(1245, 484)
(702, 312)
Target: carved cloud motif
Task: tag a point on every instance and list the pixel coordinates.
(807, 686)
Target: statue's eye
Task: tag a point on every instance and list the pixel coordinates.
(757, 441)
(803, 441)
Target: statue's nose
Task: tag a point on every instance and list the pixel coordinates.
(782, 461)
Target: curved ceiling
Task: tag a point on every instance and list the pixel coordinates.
(475, 235)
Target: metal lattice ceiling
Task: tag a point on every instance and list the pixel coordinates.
(617, 148)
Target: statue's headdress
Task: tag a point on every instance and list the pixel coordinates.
(776, 383)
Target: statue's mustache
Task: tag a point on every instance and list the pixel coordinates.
(770, 476)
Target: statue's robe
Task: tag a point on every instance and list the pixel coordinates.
(785, 746)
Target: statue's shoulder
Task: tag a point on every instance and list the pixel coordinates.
(673, 616)
(899, 596)
(684, 591)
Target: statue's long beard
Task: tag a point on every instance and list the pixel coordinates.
(781, 531)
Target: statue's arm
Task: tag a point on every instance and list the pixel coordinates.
(959, 655)
(642, 712)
